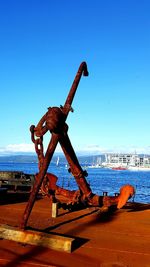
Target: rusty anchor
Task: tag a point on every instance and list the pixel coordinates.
(54, 121)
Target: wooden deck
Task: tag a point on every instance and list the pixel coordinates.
(117, 239)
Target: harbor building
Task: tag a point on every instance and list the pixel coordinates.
(126, 160)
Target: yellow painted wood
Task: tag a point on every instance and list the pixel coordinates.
(51, 241)
(54, 210)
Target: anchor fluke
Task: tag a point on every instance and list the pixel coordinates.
(126, 192)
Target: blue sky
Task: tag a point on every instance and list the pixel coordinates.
(42, 45)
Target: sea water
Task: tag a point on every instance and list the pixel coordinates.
(100, 179)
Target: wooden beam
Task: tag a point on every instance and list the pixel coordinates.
(48, 240)
(54, 210)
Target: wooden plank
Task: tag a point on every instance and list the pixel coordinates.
(48, 240)
(54, 210)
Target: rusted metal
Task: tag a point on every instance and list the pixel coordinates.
(54, 122)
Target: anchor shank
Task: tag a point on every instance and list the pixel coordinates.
(82, 69)
(48, 156)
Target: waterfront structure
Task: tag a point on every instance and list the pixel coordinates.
(126, 160)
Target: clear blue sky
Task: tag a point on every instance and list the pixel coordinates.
(42, 45)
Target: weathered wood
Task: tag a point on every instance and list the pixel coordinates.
(54, 210)
(48, 240)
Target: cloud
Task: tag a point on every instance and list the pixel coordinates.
(21, 148)
(96, 149)
(15, 148)
(92, 149)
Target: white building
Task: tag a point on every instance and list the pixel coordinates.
(126, 160)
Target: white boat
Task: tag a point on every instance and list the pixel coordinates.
(138, 168)
(97, 164)
(57, 162)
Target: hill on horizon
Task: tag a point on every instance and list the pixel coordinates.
(91, 159)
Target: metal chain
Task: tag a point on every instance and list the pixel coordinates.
(38, 146)
(39, 151)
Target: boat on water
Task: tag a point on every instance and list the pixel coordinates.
(119, 168)
(15, 182)
(138, 168)
(57, 162)
(96, 164)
